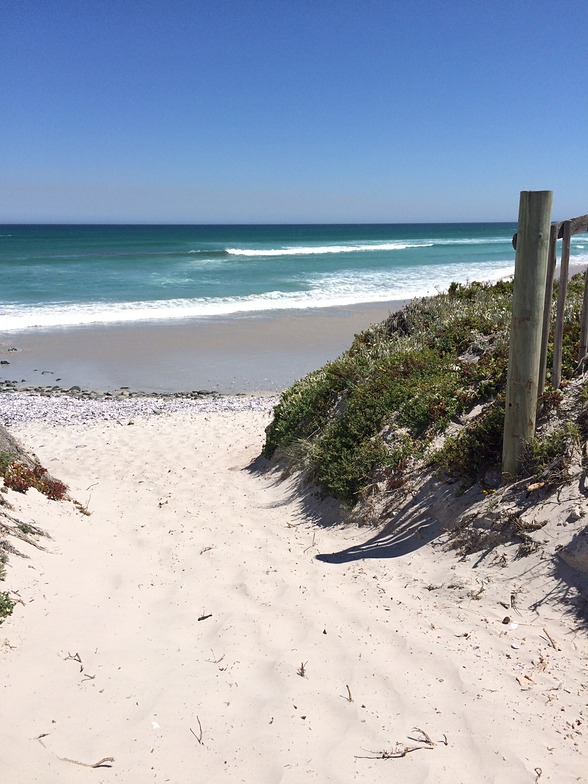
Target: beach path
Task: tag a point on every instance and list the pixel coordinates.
(186, 629)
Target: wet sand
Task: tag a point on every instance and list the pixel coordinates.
(257, 353)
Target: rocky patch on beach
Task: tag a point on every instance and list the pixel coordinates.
(92, 394)
(56, 406)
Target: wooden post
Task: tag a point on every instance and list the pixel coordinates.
(547, 306)
(561, 303)
(527, 326)
(584, 326)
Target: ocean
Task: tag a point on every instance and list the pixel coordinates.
(56, 276)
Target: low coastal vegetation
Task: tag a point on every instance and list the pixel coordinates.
(21, 473)
(427, 386)
(20, 477)
(6, 603)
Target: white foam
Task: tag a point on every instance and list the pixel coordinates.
(325, 290)
(473, 241)
(325, 249)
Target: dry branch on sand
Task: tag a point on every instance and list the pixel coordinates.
(402, 749)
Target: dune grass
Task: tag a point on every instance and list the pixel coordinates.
(382, 404)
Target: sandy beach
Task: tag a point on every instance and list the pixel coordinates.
(257, 353)
(201, 624)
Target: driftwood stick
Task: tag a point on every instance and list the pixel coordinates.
(105, 762)
(399, 751)
(402, 750)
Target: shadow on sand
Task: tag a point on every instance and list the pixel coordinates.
(427, 515)
(431, 514)
(411, 525)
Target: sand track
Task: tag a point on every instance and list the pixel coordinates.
(168, 629)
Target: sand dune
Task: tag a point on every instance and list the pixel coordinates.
(187, 629)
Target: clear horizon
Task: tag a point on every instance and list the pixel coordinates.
(254, 112)
(256, 223)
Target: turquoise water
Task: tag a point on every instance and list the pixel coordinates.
(59, 276)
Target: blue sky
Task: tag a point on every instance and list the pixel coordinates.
(253, 111)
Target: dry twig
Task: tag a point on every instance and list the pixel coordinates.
(75, 657)
(513, 602)
(105, 762)
(199, 736)
(395, 753)
(310, 546)
(425, 739)
(401, 750)
(551, 640)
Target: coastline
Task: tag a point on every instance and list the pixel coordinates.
(254, 353)
(258, 353)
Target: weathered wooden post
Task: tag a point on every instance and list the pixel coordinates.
(547, 300)
(584, 326)
(526, 326)
(561, 304)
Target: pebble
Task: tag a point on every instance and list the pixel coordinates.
(60, 407)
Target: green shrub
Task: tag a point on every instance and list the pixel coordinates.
(400, 384)
(5, 460)
(475, 449)
(303, 409)
(543, 453)
(6, 605)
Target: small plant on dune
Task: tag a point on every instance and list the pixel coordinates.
(549, 401)
(54, 489)
(6, 605)
(18, 477)
(5, 460)
(551, 453)
(82, 508)
(21, 478)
